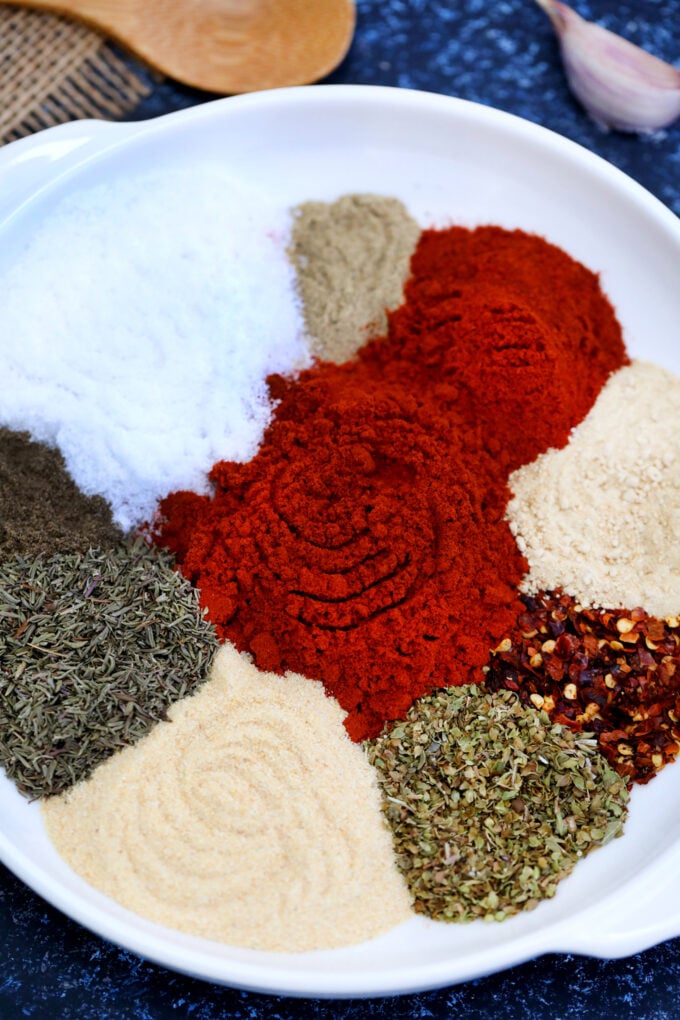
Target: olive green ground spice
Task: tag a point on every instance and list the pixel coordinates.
(94, 648)
(41, 508)
(352, 257)
(490, 805)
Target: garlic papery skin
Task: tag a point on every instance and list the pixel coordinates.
(621, 85)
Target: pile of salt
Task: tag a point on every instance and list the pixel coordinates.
(138, 326)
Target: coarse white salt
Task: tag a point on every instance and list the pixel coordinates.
(138, 325)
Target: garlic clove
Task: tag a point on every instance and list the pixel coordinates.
(621, 85)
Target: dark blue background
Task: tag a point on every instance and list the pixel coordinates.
(502, 54)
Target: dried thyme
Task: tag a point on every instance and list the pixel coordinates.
(93, 650)
(489, 804)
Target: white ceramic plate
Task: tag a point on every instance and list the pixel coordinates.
(453, 161)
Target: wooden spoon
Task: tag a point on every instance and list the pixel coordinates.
(224, 45)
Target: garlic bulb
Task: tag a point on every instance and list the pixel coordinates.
(620, 85)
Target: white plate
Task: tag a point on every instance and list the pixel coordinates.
(450, 161)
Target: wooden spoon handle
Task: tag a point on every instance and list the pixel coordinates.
(117, 19)
(224, 45)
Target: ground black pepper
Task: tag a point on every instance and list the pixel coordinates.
(41, 508)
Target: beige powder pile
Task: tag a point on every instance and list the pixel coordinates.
(601, 518)
(352, 258)
(251, 819)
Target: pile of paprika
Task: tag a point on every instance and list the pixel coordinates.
(365, 544)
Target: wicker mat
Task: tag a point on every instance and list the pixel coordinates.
(53, 70)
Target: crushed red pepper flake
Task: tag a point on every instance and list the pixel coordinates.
(614, 672)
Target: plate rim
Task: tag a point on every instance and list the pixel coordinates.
(89, 140)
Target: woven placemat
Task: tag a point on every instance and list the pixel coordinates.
(53, 70)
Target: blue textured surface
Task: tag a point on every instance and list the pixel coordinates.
(504, 55)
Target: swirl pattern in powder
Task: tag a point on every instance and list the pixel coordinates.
(349, 537)
(238, 820)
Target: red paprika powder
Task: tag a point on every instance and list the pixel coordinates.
(365, 544)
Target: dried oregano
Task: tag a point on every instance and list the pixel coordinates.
(94, 648)
(489, 804)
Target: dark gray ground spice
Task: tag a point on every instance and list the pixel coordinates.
(490, 804)
(94, 648)
(41, 508)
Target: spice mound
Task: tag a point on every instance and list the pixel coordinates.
(352, 259)
(251, 819)
(490, 804)
(600, 519)
(144, 354)
(356, 546)
(365, 544)
(614, 672)
(41, 508)
(93, 650)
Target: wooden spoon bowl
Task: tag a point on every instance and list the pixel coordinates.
(224, 46)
